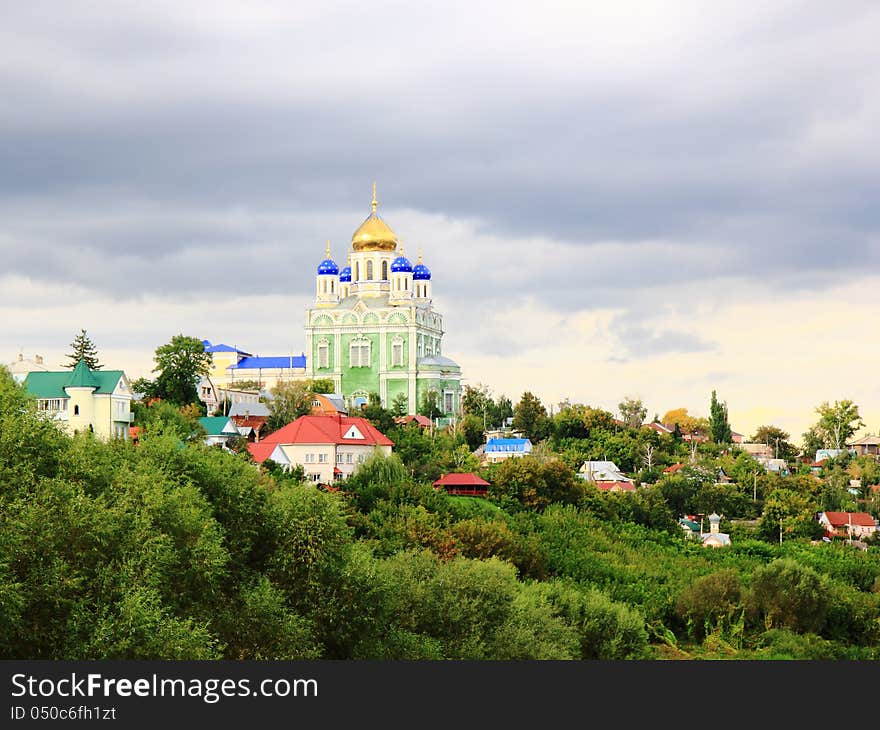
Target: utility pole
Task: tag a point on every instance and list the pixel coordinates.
(755, 489)
(780, 531)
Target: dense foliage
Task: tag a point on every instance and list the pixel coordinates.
(172, 549)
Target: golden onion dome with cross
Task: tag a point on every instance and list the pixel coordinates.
(374, 234)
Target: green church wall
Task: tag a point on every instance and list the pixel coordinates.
(391, 336)
(393, 388)
(360, 378)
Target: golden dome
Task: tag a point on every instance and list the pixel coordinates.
(374, 234)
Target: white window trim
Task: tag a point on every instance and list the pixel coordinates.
(357, 346)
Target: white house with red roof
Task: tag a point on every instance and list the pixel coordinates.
(848, 524)
(328, 448)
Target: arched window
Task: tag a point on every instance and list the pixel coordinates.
(384, 270)
(357, 271)
(332, 286)
(76, 410)
(369, 270)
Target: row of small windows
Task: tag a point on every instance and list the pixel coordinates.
(356, 272)
(360, 352)
(428, 346)
(53, 404)
(341, 458)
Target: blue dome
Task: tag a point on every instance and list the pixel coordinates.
(328, 266)
(421, 273)
(345, 274)
(401, 263)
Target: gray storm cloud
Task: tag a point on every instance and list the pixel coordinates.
(588, 155)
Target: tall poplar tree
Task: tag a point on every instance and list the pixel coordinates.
(718, 423)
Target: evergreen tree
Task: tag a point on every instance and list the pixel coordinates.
(83, 349)
(718, 423)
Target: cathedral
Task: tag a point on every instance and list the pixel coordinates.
(373, 328)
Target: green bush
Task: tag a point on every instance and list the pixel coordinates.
(786, 594)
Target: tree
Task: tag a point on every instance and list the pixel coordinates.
(400, 404)
(719, 426)
(290, 401)
(778, 439)
(814, 440)
(380, 417)
(649, 456)
(477, 401)
(501, 411)
(530, 417)
(788, 514)
(535, 484)
(788, 594)
(430, 405)
(838, 422)
(632, 412)
(685, 422)
(83, 349)
(179, 364)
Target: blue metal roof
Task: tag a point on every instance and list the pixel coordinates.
(345, 274)
(507, 444)
(221, 348)
(421, 273)
(256, 363)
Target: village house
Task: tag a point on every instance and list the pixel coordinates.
(328, 404)
(220, 430)
(84, 400)
(328, 448)
(867, 446)
(229, 366)
(847, 524)
(606, 476)
(22, 365)
(422, 422)
(499, 449)
(250, 419)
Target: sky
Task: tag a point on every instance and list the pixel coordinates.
(629, 199)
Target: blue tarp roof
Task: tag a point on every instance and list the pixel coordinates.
(256, 363)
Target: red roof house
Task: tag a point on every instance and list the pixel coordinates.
(658, 427)
(848, 524)
(420, 421)
(616, 486)
(327, 447)
(672, 469)
(465, 483)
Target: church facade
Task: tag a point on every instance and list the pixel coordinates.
(373, 327)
